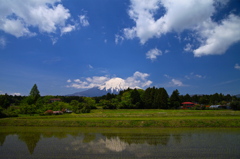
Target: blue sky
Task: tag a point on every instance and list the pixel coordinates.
(66, 46)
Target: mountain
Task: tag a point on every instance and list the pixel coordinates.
(238, 95)
(92, 92)
(114, 85)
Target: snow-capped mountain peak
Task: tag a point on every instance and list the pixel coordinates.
(114, 85)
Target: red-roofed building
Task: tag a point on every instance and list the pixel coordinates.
(55, 100)
(187, 105)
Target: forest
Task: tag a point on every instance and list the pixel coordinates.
(151, 98)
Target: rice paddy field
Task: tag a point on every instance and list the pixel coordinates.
(132, 118)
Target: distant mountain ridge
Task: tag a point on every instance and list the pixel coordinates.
(92, 92)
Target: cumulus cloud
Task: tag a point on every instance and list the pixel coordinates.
(17, 17)
(137, 80)
(237, 66)
(153, 18)
(219, 38)
(152, 54)
(176, 82)
(88, 82)
(67, 29)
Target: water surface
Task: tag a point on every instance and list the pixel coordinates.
(41, 142)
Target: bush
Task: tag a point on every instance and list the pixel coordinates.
(28, 109)
(10, 112)
(235, 105)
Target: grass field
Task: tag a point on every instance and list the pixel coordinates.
(132, 118)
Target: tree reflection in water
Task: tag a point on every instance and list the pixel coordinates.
(31, 140)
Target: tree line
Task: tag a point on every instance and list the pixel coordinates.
(151, 98)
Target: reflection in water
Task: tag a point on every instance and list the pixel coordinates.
(118, 143)
(115, 144)
(31, 140)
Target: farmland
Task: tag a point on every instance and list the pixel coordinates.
(132, 118)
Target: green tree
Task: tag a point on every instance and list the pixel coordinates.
(107, 104)
(160, 99)
(187, 98)
(235, 105)
(136, 98)
(90, 102)
(215, 98)
(148, 97)
(204, 99)
(126, 102)
(5, 101)
(34, 94)
(175, 99)
(84, 107)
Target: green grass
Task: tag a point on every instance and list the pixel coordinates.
(132, 118)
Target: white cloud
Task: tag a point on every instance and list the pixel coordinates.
(54, 39)
(237, 66)
(176, 82)
(90, 66)
(129, 33)
(88, 82)
(17, 17)
(199, 76)
(194, 76)
(177, 16)
(219, 38)
(118, 39)
(84, 20)
(15, 27)
(152, 54)
(2, 42)
(67, 29)
(69, 81)
(77, 80)
(141, 11)
(15, 94)
(166, 51)
(188, 48)
(138, 80)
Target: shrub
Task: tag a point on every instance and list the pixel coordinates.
(10, 112)
(235, 105)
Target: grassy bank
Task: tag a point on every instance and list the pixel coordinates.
(132, 118)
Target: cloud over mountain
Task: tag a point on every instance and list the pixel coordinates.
(138, 80)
